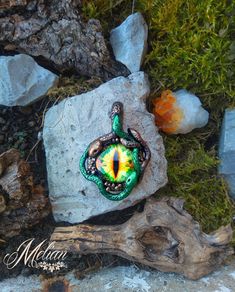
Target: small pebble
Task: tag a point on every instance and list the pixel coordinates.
(2, 121)
(5, 127)
(40, 136)
(31, 124)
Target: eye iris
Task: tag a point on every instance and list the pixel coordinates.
(115, 163)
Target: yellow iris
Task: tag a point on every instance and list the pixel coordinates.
(115, 162)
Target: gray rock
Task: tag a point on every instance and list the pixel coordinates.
(129, 41)
(23, 81)
(227, 149)
(74, 123)
(128, 279)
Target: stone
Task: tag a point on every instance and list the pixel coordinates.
(57, 33)
(179, 112)
(74, 123)
(2, 121)
(129, 41)
(23, 81)
(125, 278)
(227, 149)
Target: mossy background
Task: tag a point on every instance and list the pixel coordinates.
(192, 46)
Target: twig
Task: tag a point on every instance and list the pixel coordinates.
(133, 6)
(31, 150)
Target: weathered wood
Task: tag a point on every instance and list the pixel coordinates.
(164, 236)
(22, 204)
(2, 203)
(55, 31)
(5, 4)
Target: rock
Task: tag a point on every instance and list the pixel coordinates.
(31, 124)
(129, 41)
(22, 89)
(179, 112)
(56, 32)
(227, 149)
(74, 123)
(125, 278)
(2, 121)
(5, 127)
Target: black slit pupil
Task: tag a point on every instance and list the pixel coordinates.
(115, 163)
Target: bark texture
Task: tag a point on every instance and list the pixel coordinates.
(55, 31)
(164, 236)
(22, 204)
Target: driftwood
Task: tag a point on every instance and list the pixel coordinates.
(5, 4)
(55, 31)
(163, 236)
(22, 204)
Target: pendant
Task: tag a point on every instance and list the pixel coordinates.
(117, 160)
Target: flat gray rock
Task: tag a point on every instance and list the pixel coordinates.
(129, 279)
(23, 81)
(227, 149)
(74, 123)
(129, 41)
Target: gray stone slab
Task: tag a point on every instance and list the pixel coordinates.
(74, 123)
(132, 279)
(22, 80)
(129, 41)
(227, 149)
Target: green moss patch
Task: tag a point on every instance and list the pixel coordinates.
(71, 86)
(191, 45)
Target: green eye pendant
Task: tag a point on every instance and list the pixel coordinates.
(117, 160)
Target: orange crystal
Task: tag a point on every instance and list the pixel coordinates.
(168, 115)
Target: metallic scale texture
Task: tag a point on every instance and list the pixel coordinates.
(116, 161)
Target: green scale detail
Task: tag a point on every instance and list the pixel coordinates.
(116, 161)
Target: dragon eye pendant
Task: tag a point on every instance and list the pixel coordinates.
(117, 160)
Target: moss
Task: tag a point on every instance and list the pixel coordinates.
(70, 86)
(192, 174)
(109, 12)
(190, 46)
